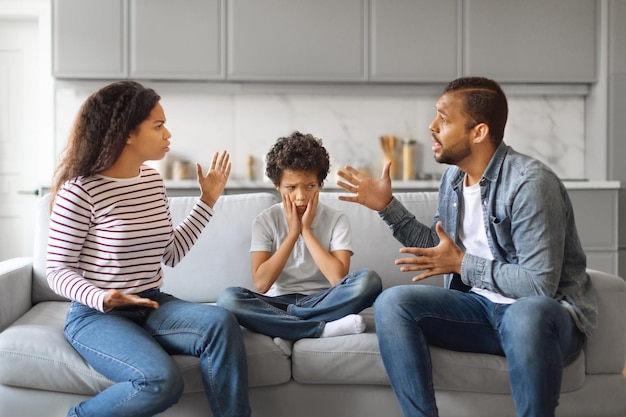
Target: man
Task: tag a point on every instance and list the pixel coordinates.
(504, 236)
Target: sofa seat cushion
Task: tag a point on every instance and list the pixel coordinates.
(355, 359)
(35, 354)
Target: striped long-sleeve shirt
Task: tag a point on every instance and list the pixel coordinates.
(110, 233)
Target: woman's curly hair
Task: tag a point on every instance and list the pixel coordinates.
(101, 129)
(297, 152)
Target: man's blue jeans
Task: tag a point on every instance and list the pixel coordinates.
(536, 334)
(298, 316)
(132, 346)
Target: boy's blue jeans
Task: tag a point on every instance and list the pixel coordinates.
(132, 346)
(298, 316)
(536, 334)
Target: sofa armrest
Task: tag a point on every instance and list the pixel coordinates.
(15, 289)
(606, 348)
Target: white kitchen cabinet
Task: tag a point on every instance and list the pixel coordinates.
(415, 40)
(531, 41)
(138, 39)
(296, 40)
(617, 92)
(181, 41)
(89, 38)
(350, 41)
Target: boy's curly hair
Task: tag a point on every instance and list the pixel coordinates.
(297, 152)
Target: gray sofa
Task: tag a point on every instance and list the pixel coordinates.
(40, 374)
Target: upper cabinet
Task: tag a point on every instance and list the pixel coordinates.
(531, 41)
(183, 42)
(296, 40)
(89, 38)
(414, 40)
(141, 39)
(349, 41)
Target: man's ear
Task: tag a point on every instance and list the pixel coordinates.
(481, 133)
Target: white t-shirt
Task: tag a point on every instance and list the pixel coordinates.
(474, 237)
(300, 275)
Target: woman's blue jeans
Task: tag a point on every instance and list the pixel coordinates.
(132, 346)
(298, 316)
(536, 334)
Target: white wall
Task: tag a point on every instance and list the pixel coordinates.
(550, 127)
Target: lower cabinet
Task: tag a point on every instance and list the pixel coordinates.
(597, 220)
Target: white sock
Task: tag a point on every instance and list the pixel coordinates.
(350, 324)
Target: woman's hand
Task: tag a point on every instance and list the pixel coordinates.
(213, 183)
(115, 298)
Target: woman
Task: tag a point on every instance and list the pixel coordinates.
(110, 230)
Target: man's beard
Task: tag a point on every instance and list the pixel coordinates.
(455, 154)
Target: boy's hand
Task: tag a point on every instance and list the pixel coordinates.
(291, 214)
(309, 214)
(373, 194)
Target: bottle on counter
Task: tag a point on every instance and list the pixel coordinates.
(250, 167)
(180, 169)
(408, 159)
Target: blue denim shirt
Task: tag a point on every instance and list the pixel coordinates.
(530, 228)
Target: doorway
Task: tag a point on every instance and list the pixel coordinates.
(26, 114)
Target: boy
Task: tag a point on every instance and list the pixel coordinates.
(300, 255)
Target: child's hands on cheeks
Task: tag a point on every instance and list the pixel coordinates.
(291, 214)
(296, 222)
(309, 214)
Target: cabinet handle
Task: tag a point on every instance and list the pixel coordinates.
(29, 192)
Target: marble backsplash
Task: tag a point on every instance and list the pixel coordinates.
(550, 128)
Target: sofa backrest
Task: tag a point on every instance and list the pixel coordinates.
(373, 243)
(221, 257)
(41, 289)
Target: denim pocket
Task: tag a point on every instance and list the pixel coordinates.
(501, 231)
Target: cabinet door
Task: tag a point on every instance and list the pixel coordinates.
(181, 40)
(89, 38)
(415, 40)
(617, 94)
(284, 40)
(531, 40)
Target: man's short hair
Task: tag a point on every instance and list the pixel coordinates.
(484, 102)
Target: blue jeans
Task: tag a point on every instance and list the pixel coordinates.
(132, 346)
(536, 334)
(298, 316)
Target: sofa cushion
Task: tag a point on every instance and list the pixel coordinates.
(355, 359)
(35, 354)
